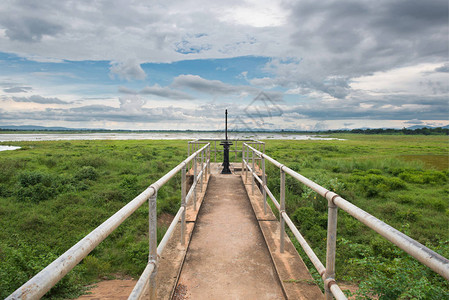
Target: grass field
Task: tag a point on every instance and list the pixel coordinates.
(53, 193)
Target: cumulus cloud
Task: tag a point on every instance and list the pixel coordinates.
(128, 70)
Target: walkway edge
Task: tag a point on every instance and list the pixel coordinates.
(294, 275)
(174, 254)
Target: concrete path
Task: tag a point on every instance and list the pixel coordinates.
(227, 256)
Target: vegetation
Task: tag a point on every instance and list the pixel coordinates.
(402, 180)
(53, 193)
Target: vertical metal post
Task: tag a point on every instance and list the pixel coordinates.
(282, 210)
(331, 247)
(215, 151)
(243, 160)
(183, 204)
(235, 150)
(246, 163)
(202, 174)
(252, 176)
(264, 181)
(208, 159)
(195, 179)
(263, 148)
(152, 234)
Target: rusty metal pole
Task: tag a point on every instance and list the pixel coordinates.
(152, 234)
(331, 248)
(183, 204)
(282, 210)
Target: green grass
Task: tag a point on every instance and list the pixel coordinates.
(54, 193)
(394, 178)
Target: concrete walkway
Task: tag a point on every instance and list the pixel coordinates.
(227, 256)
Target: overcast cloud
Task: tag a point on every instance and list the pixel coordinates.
(325, 63)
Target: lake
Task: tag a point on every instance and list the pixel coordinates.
(13, 137)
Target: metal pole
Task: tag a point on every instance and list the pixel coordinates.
(252, 176)
(152, 234)
(282, 210)
(264, 180)
(183, 204)
(215, 151)
(331, 248)
(194, 182)
(208, 159)
(235, 151)
(202, 174)
(247, 162)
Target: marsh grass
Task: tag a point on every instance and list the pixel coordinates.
(410, 194)
(54, 193)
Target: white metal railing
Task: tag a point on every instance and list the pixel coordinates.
(237, 146)
(423, 254)
(42, 282)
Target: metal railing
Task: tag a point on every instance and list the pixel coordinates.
(423, 254)
(42, 282)
(236, 148)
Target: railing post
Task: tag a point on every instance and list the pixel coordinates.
(215, 151)
(201, 170)
(243, 160)
(246, 163)
(252, 175)
(183, 204)
(331, 247)
(235, 150)
(152, 234)
(195, 179)
(282, 210)
(264, 181)
(208, 159)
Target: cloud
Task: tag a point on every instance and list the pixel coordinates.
(29, 28)
(165, 92)
(414, 122)
(129, 70)
(212, 87)
(39, 99)
(444, 68)
(157, 90)
(18, 89)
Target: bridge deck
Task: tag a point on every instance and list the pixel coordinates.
(227, 256)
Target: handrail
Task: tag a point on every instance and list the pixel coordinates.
(145, 278)
(235, 149)
(43, 281)
(433, 260)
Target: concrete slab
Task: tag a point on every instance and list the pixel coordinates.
(227, 257)
(294, 275)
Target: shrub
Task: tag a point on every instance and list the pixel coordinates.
(86, 172)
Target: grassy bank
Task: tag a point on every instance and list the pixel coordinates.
(53, 193)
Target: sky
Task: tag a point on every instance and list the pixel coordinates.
(177, 65)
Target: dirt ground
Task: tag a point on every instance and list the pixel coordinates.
(111, 289)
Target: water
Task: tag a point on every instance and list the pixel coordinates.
(4, 148)
(155, 136)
